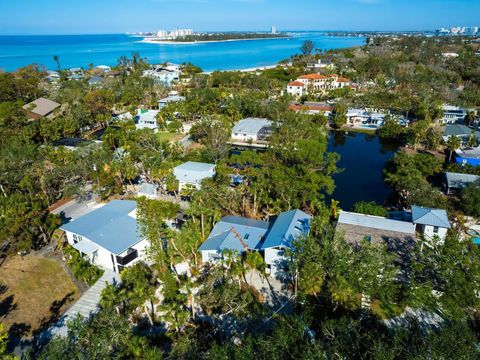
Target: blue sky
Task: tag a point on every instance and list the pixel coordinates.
(117, 16)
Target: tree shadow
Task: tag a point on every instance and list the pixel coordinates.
(15, 334)
(7, 305)
(55, 313)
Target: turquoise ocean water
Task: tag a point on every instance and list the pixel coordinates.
(81, 50)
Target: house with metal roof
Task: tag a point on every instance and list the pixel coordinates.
(41, 108)
(271, 238)
(147, 190)
(108, 236)
(461, 131)
(470, 156)
(454, 183)
(358, 227)
(426, 222)
(252, 129)
(170, 99)
(431, 223)
(193, 173)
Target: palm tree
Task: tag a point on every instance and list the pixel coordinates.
(57, 60)
(453, 143)
(470, 118)
(255, 262)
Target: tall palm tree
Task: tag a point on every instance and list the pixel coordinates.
(453, 143)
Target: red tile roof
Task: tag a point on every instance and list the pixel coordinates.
(343, 80)
(313, 77)
(296, 83)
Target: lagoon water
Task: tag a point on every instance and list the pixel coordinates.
(363, 158)
(81, 50)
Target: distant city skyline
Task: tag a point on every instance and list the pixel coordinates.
(119, 16)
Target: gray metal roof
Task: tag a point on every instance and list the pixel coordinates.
(375, 222)
(173, 98)
(287, 227)
(227, 233)
(251, 126)
(428, 216)
(110, 226)
(193, 172)
(458, 130)
(459, 181)
(147, 188)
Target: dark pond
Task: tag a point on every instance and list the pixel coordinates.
(363, 158)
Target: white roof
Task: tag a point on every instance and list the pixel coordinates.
(251, 126)
(86, 247)
(375, 222)
(193, 172)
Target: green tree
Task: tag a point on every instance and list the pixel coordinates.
(471, 200)
(453, 143)
(369, 208)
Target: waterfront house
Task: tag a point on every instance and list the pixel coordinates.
(430, 222)
(170, 99)
(358, 227)
(191, 174)
(108, 237)
(470, 156)
(271, 238)
(461, 131)
(420, 222)
(453, 114)
(252, 129)
(165, 74)
(454, 183)
(41, 108)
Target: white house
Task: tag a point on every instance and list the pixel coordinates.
(431, 223)
(109, 236)
(271, 238)
(252, 129)
(193, 173)
(453, 114)
(165, 74)
(104, 68)
(296, 88)
(146, 119)
(426, 222)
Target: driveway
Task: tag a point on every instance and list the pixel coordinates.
(76, 208)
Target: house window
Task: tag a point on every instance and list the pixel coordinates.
(435, 229)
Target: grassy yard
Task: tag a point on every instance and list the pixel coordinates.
(34, 292)
(168, 136)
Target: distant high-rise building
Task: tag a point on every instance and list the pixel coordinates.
(162, 34)
(274, 30)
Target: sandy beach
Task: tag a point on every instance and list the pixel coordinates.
(259, 68)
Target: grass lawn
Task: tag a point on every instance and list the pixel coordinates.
(168, 136)
(34, 292)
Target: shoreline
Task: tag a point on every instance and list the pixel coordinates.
(252, 69)
(166, 42)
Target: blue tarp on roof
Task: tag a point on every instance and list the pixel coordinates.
(428, 216)
(109, 227)
(287, 227)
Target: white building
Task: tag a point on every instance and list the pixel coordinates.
(431, 223)
(191, 174)
(146, 119)
(173, 34)
(453, 114)
(252, 129)
(296, 88)
(108, 237)
(270, 238)
(104, 68)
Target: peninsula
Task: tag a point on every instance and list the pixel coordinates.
(215, 37)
